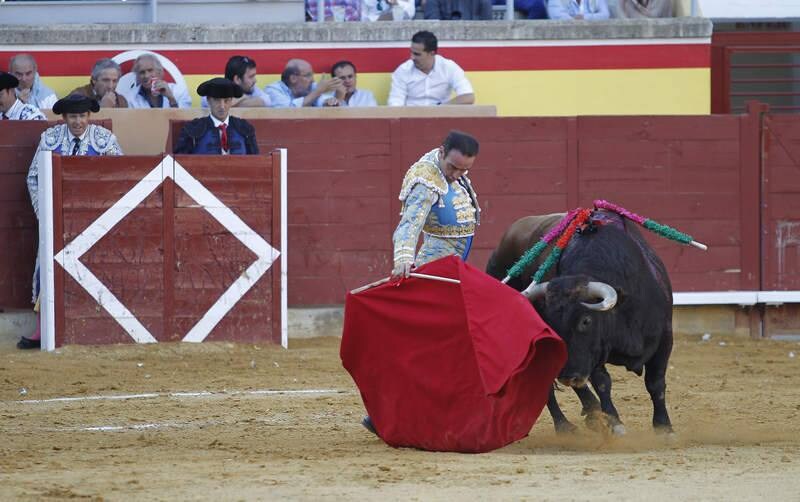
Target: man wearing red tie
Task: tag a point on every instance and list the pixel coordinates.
(219, 133)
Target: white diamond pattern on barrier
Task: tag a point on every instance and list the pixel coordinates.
(69, 257)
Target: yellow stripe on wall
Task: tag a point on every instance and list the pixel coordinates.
(596, 92)
(678, 91)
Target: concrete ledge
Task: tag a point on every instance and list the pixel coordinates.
(717, 320)
(14, 324)
(121, 34)
(303, 323)
(312, 322)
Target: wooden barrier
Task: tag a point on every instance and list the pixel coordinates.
(780, 217)
(700, 174)
(143, 131)
(682, 171)
(18, 226)
(161, 249)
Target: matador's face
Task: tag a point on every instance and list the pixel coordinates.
(455, 164)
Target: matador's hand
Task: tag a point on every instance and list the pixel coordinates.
(402, 270)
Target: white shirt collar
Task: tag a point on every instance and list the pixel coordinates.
(72, 136)
(11, 111)
(218, 122)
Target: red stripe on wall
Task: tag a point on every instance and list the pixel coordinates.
(383, 60)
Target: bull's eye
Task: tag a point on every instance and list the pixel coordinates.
(585, 323)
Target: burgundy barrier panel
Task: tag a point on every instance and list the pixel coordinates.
(700, 174)
(686, 172)
(18, 228)
(781, 202)
(168, 260)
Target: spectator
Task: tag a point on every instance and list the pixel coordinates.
(591, 10)
(11, 108)
(31, 90)
(387, 10)
(531, 9)
(241, 70)
(219, 133)
(335, 10)
(644, 8)
(347, 94)
(102, 85)
(457, 10)
(76, 136)
(150, 89)
(297, 88)
(428, 78)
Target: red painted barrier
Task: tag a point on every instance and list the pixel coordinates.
(18, 227)
(700, 174)
(780, 218)
(683, 171)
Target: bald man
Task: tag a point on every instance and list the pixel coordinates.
(297, 88)
(31, 90)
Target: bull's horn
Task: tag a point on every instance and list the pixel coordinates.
(604, 291)
(535, 291)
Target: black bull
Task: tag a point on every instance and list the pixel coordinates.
(629, 325)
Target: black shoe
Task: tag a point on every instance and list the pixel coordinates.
(367, 423)
(25, 343)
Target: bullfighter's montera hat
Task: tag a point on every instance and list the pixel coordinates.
(219, 88)
(8, 81)
(76, 103)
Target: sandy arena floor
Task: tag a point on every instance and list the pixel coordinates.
(736, 408)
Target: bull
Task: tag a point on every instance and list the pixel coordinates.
(610, 299)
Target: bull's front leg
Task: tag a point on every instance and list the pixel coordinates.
(589, 402)
(655, 380)
(560, 422)
(601, 381)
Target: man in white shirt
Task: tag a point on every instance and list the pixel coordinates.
(428, 78)
(11, 108)
(348, 94)
(31, 90)
(151, 90)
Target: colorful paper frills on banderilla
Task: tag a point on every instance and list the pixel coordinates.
(566, 228)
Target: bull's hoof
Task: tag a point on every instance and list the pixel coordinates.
(605, 424)
(566, 427)
(597, 421)
(665, 430)
(619, 430)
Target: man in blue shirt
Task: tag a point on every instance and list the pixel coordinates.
(297, 88)
(219, 133)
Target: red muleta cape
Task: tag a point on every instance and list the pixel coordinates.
(450, 367)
